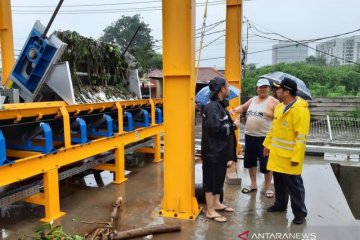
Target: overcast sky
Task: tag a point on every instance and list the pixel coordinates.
(295, 19)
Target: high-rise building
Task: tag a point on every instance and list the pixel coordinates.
(289, 53)
(339, 51)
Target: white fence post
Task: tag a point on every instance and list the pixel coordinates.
(329, 126)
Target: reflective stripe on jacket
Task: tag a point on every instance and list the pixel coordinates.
(287, 137)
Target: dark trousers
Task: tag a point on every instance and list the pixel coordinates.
(290, 185)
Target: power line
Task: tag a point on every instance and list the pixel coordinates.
(97, 5)
(211, 42)
(304, 43)
(84, 5)
(108, 10)
(210, 25)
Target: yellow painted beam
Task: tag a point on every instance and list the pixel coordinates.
(233, 49)
(31, 166)
(89, 107)
(6, 41)
(22, 110)
(179, 107)
(105, 167)
(41, 109)
(20, 154)
(37, 198)
(34, 105)
(145, 150)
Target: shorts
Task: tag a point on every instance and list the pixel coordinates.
(214, 176)
(254, 153)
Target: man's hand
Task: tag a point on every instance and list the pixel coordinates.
(229, 163)
(266, 152)
(237, 122)
(232, 111)
(294, 164)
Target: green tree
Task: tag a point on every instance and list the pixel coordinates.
(147, 57)
(322, 81)
(123, 29)
(142, 47)
(320, 61)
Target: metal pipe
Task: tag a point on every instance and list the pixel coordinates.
(52, 19)
(131, 40)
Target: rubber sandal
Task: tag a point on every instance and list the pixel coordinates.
(269, 193)
(226, 209)
(219, 219)
(248, 189)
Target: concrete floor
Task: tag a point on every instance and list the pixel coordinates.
(329, 214)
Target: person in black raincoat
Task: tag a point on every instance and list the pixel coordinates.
(218, 147)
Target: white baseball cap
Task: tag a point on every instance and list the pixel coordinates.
(262, 82)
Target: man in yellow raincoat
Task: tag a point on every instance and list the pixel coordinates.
(285, 145)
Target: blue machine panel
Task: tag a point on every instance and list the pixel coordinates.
(2, 149)
(34, 60)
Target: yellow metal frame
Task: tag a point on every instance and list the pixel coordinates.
(179, 109)
(6, 41)
(233, 50)
(31, 164)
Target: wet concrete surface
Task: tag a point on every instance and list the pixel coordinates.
(348, 177)
(329, 214)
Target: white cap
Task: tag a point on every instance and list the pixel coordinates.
(262, 82)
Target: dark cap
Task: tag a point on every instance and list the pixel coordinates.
(215, 85)
(288, 84)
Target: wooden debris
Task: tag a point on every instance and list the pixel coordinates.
(144, 231)
(115, 210)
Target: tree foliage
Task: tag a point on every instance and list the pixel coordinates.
(147, 58)
(123, 29)
(101, 61)
(319, 61)
(142, 47)
(323, 81)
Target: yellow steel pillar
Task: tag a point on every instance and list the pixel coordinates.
(66, 123)
(120, 117)
(118, 168)
(233, 49)
(119, 165)
(157, 137)
(50, 198)
(179, 108)
(51, 195)
(157, 148)
(6, 40)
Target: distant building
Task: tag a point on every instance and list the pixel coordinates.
(339, 51)
(289, 53)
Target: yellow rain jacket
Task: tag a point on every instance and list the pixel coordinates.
(287, 137)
